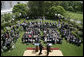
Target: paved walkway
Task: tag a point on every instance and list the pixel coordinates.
(44, 52)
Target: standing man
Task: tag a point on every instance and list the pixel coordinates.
(40, 47)
(48, 49)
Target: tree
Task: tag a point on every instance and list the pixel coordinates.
(65, 4)
(78, 6)
(60, 10)
(70, 8)
(20, 9)
(42, 8)
(33, 8)
(16, 15)
(36, 8)
(47, 5)
(56, 10)
(7, 17)
(5, 20)
(2, 19)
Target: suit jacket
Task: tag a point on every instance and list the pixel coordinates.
(48, 47)
(40, 46)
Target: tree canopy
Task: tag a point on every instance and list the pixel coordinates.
(20, 10)
(36, 9)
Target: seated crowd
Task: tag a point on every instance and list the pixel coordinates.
(32, 34)
(69, 37)
(9, 38)
(50, 33)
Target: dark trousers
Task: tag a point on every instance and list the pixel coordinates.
(47, 52)
(40, 51)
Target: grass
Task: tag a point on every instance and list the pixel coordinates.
(70, 49)
(75, 16)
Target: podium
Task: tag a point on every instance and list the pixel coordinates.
(50, 44)
(37, 47)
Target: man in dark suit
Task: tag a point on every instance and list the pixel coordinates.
(48, 49)
(40, 47)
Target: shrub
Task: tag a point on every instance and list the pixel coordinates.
(56, 10)
(70, 8)
(60, 10)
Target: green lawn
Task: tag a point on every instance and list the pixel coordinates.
(70, 49)
(75, 16)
